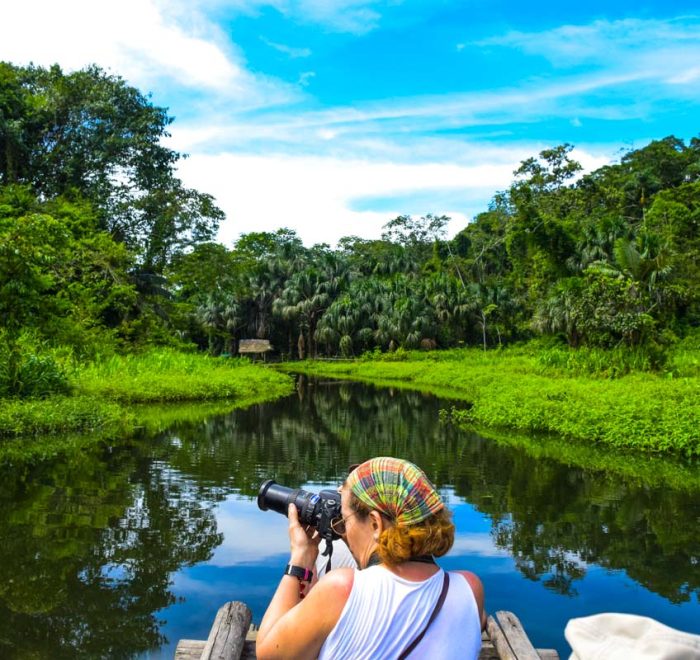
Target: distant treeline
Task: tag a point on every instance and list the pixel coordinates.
(102, 248)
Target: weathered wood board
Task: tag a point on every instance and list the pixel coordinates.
(232, 637)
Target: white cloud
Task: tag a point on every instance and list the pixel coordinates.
(144, 41)
(685, 76)
(235, 519)
(316, 195)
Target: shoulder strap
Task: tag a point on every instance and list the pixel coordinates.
(438, 607)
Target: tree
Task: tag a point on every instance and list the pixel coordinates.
(30, 251)
(416, 235)
(90, 134)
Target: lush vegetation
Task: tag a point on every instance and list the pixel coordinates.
(161, 376)
(105, 254)
(604, 261)
(518, 388)
(101, 389)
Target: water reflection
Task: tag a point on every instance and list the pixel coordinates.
(119, 549)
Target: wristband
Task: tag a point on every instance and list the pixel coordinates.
(302, 574)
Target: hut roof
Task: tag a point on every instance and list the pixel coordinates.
(254, 346)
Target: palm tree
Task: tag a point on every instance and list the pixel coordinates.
(232, 319)
(209, 315)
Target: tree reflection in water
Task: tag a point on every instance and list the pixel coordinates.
(89, 541)
(88, 545)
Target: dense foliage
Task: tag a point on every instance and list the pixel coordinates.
(103, 392)
(607, 260)
(103, 250)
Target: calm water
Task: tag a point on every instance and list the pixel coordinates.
(122, 549)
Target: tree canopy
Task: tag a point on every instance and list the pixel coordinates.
(89, 135)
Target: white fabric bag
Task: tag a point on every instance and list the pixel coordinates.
(628, 637)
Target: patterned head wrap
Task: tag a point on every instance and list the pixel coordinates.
(396, 488)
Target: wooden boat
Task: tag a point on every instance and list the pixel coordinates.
(232, 637)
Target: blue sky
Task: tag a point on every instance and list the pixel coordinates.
(333, 116)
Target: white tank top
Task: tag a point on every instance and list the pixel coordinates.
(385, 613)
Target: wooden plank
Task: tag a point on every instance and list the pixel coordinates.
(227, 635)
(504, 639)
(498, 639)
(518, 640)
(189, 649)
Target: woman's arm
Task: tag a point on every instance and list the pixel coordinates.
(301, 631)
(295, 628)
(478, 589)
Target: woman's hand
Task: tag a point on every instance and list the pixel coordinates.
(304, 541)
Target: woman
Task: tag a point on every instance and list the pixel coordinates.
(394, 522)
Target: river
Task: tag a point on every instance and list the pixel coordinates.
(120, 548)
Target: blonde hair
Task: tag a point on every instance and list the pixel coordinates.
(399, 543)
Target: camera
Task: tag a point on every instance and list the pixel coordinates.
(318, 510)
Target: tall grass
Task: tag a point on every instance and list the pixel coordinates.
(104, 390)
(166, 375)
(59, 414)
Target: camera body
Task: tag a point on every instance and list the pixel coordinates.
(318, 510)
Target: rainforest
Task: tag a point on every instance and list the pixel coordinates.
(569, 306)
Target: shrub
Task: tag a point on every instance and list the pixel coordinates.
(24, 373)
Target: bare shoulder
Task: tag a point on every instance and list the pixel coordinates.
(328, 598)
(336, 583)
(478, 590)
(474, 582)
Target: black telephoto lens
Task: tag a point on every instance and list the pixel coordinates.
(278, 498)
(273, 496)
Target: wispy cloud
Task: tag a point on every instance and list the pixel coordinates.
(605, 42)
(290, 51)
(411, 119)
(352, 16)
(305, 78)
(356, 16)
(631, 85)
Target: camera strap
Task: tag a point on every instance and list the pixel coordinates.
(436, 610)
(328, 552)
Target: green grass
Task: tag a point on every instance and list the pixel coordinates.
(103, 393)
(512, 389)
(60, 413)
(163, 376)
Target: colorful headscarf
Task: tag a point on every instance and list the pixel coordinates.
(396, 488)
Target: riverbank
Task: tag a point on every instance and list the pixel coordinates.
(515, 389)
(102, 393)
